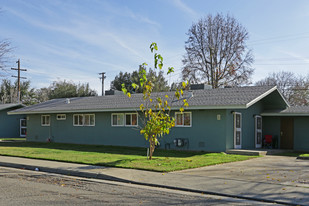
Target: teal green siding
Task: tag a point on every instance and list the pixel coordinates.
(102, 133)
(248, 126)
(9, 124)
(301, 133)
(206, 133)
(271, 126)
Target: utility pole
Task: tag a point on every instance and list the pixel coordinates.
(18, 78)
(102, 78)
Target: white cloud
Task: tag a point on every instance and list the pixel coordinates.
(185, 8)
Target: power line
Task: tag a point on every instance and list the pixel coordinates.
(18, 78)
(102, 78)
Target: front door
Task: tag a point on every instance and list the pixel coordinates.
(237, 130)
(258, 131)
(23, 128)
(287, 133)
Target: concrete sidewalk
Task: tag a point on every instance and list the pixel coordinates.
(271, 178)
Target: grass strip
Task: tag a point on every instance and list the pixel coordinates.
(114, 156)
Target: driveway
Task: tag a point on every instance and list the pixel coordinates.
(267, 169)
(283, 179)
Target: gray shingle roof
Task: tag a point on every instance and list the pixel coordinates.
(7, 106)
(290, 111)
(222, 98)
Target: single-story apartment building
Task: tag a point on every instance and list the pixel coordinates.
(216, 120)
(12, 126)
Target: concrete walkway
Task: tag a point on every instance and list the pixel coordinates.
(271, 178)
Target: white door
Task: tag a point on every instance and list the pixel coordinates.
(258, 131)
(237, 130)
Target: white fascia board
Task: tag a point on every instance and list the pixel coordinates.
(72, 111)
(212, 107)
(127, 109)
(12, 105)
(264, 95)
(284, 114)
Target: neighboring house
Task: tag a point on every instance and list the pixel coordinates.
(12, 126)
(216, 120)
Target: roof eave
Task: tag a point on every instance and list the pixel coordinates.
(264, 95)
(127, 109)
(284, 114)
(13, 105)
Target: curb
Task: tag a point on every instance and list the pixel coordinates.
(302, 158)
(110, 178)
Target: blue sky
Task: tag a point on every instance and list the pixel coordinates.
(77, 39)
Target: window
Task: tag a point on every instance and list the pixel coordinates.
(89, 120)
(45, 120)
(61, 116)
(131, 119)
(117, 119)
(183, 119)
(83, 120)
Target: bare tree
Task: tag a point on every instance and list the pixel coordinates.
(216, 52)
(293, 88)
(5, 48)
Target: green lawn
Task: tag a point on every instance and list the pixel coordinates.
(13, 139)
(292, 154)
(125, 157)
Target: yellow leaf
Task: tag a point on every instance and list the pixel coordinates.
(129, 95)
(183, 84)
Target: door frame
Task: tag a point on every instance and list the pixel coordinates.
(258, 131)
(21, 127)
(237, 130)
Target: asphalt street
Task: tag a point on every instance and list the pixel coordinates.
(23, 187)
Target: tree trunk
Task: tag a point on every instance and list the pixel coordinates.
(151, 147)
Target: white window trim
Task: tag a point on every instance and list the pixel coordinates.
(77, 125)
(123, 119)
(125, 122)
(83, 125)
(45, 125)
(183, 119)
(65, 117)
(89, 120)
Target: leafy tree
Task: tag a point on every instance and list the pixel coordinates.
(157, 78)
(64, 89)
(121, 78)
(216, 52)
(155, 108)
(9, 91)
(294, 89)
